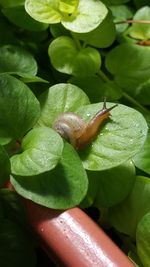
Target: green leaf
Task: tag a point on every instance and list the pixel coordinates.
(4, 166)
(143, 93)
(65, 57)
(58, 99)
(19, 109)
(68, 6)
(45, 11)
(130, 65)
(114, 185)
(126, 215)
(121, 137)
(121, 13)
(23, 19)
(87, 17)
(140, 30)
(14, 59)
(143, 239)
(15, 242)
(142, 159)
(96, 89)
(42, 149)
(63, 187)
(103, 36)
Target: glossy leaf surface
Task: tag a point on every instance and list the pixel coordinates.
(121, 137)
(16, 118)
(63, 187)
(42, 149)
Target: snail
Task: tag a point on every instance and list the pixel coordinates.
(78, 132)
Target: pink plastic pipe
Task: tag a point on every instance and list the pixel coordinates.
(72, 239)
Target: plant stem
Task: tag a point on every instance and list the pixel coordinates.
(78, 44)
(133, 21)
(103, 76)
(134, 102)
(125, 95)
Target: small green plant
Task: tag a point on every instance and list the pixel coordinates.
(66, 56)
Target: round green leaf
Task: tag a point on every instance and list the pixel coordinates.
(63, 187)
(140, 30)
(121, 137)
(130, 64)
(15, 242)
(45, 11)
(114, 185)
(103, 36)
(120, 13)
(143, 239)
(58, 99)
(68, 6)
(87, 17)
(4, 166)
(126, 215)
(14, 59)
(23, 19)
(19, 109)
(142, 159)
(65, 57)
(42, 149)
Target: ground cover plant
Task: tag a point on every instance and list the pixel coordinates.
(68, 56)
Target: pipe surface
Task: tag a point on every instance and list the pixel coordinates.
(72, 239)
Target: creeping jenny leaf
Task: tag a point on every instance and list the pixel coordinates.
(67, 58)
(42, 149)
(114, 185)
(109, 187)
(61, 188)
(103, 36)
(141, 30)
(143, 239)
(130, 64)
(19, 109)
(120, 138)
(126, 215)
(58, 99)
(87, 17)
(15, 59)
(45, 11)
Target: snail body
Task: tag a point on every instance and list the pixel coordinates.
(78, 132)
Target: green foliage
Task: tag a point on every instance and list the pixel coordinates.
(83, 62)
(134, 207)
(63, 187)
(18, 118)
(72, 55)
(143, 239)
(141, 31)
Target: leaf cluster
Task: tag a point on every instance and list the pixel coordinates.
(66, 56)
